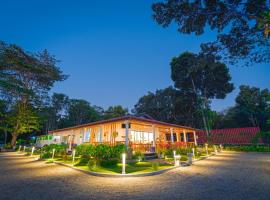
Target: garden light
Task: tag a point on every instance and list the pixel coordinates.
(193, 152)
(123, 163)
(53, 152)
(20, 148)
(33, 149)
(24, 148)
(73, 156)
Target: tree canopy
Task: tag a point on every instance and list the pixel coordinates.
(242, 26)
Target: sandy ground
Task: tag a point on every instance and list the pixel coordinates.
(227, 176)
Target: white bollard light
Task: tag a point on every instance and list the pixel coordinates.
(174, 154)
(220, 146)
(73, 156)
(33, 149)
(53, 152)
(206, 149)
(177, 159)
(24, 148)
(123, 163)
(216, 152)
(193, 152)
(20, 148)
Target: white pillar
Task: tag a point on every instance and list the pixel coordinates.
(185, 136)
(195, 138)
(100, 135)
(154, 135)
(127, 133)
(171, 129)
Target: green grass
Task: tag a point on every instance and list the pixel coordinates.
(131, 168)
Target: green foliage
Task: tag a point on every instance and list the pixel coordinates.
(83, 161)
(85, 150)
(114, 112)
(109, 162)
(92, 164)
(60, 150)
(241, 26)
(253, 148)
(155, 166)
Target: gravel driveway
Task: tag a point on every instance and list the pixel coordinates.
(227, 176)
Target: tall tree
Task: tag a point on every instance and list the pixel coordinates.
(80, 112)
(26, 78)
(242, 26)
(170, 105)
(115, 111)
(204, 76)
(253, 104)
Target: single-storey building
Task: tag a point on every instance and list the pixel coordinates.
(139, 133)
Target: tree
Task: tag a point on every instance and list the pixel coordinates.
(4, 126)
(115, 111)
(54, 111)
(80, 112)
(254, 106)
(25, 79)
(170, 105)
(242, 26)
(204, 76)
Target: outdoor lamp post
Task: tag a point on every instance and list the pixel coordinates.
(193, 152)
(190, 155)
(215, 149)
(177, 159)
(73, 156)
(20, 148)
(123, 163)
(24, 148)
(53, 152)
(33, 149)
(206, 149)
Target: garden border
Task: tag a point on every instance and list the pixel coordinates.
(130, 175)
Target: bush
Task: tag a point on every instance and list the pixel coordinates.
(109, 163)
(103, 152)
(82, 162)
(85, 150)
(8, 146)
(117, 150)
(92, 164)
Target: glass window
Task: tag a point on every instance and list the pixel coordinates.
(142, 137)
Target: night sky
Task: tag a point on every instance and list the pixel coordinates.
(113, 51)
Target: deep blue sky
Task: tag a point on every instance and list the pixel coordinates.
(113, 51)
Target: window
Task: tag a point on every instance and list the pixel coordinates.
(87, 135)
(142, 137)
(169, 139)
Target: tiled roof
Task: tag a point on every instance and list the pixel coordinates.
(230, 136)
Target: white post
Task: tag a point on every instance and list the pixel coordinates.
(123, 163)
(127, 132)
(53, 152)
(171, 135)
(33, 149)
(216, 151)
(177, 160)
(73, 156)
(20, 148)
(154, 135)
(24, 148)
(195, 138)
(185, 136)
(174, 154)
(206, 149)
(220, 146)
(193, 152)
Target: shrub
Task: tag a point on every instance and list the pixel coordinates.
(82, 162)
(139, 155)
(85, 150)
(103, 152)
(92, 164)
(109, 163)
(8, 146)
(117, 150)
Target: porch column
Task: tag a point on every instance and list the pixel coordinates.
(185, 136)
(178, 137)
(171, 129)
(195, 138)
(100, 135)
(127, 131)
(154, 135)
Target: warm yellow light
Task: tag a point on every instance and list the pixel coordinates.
(123, 163)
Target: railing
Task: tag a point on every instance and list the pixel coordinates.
(141, 147)
(173, 145)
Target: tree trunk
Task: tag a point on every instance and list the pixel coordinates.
(5, 136)
(14, 140)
